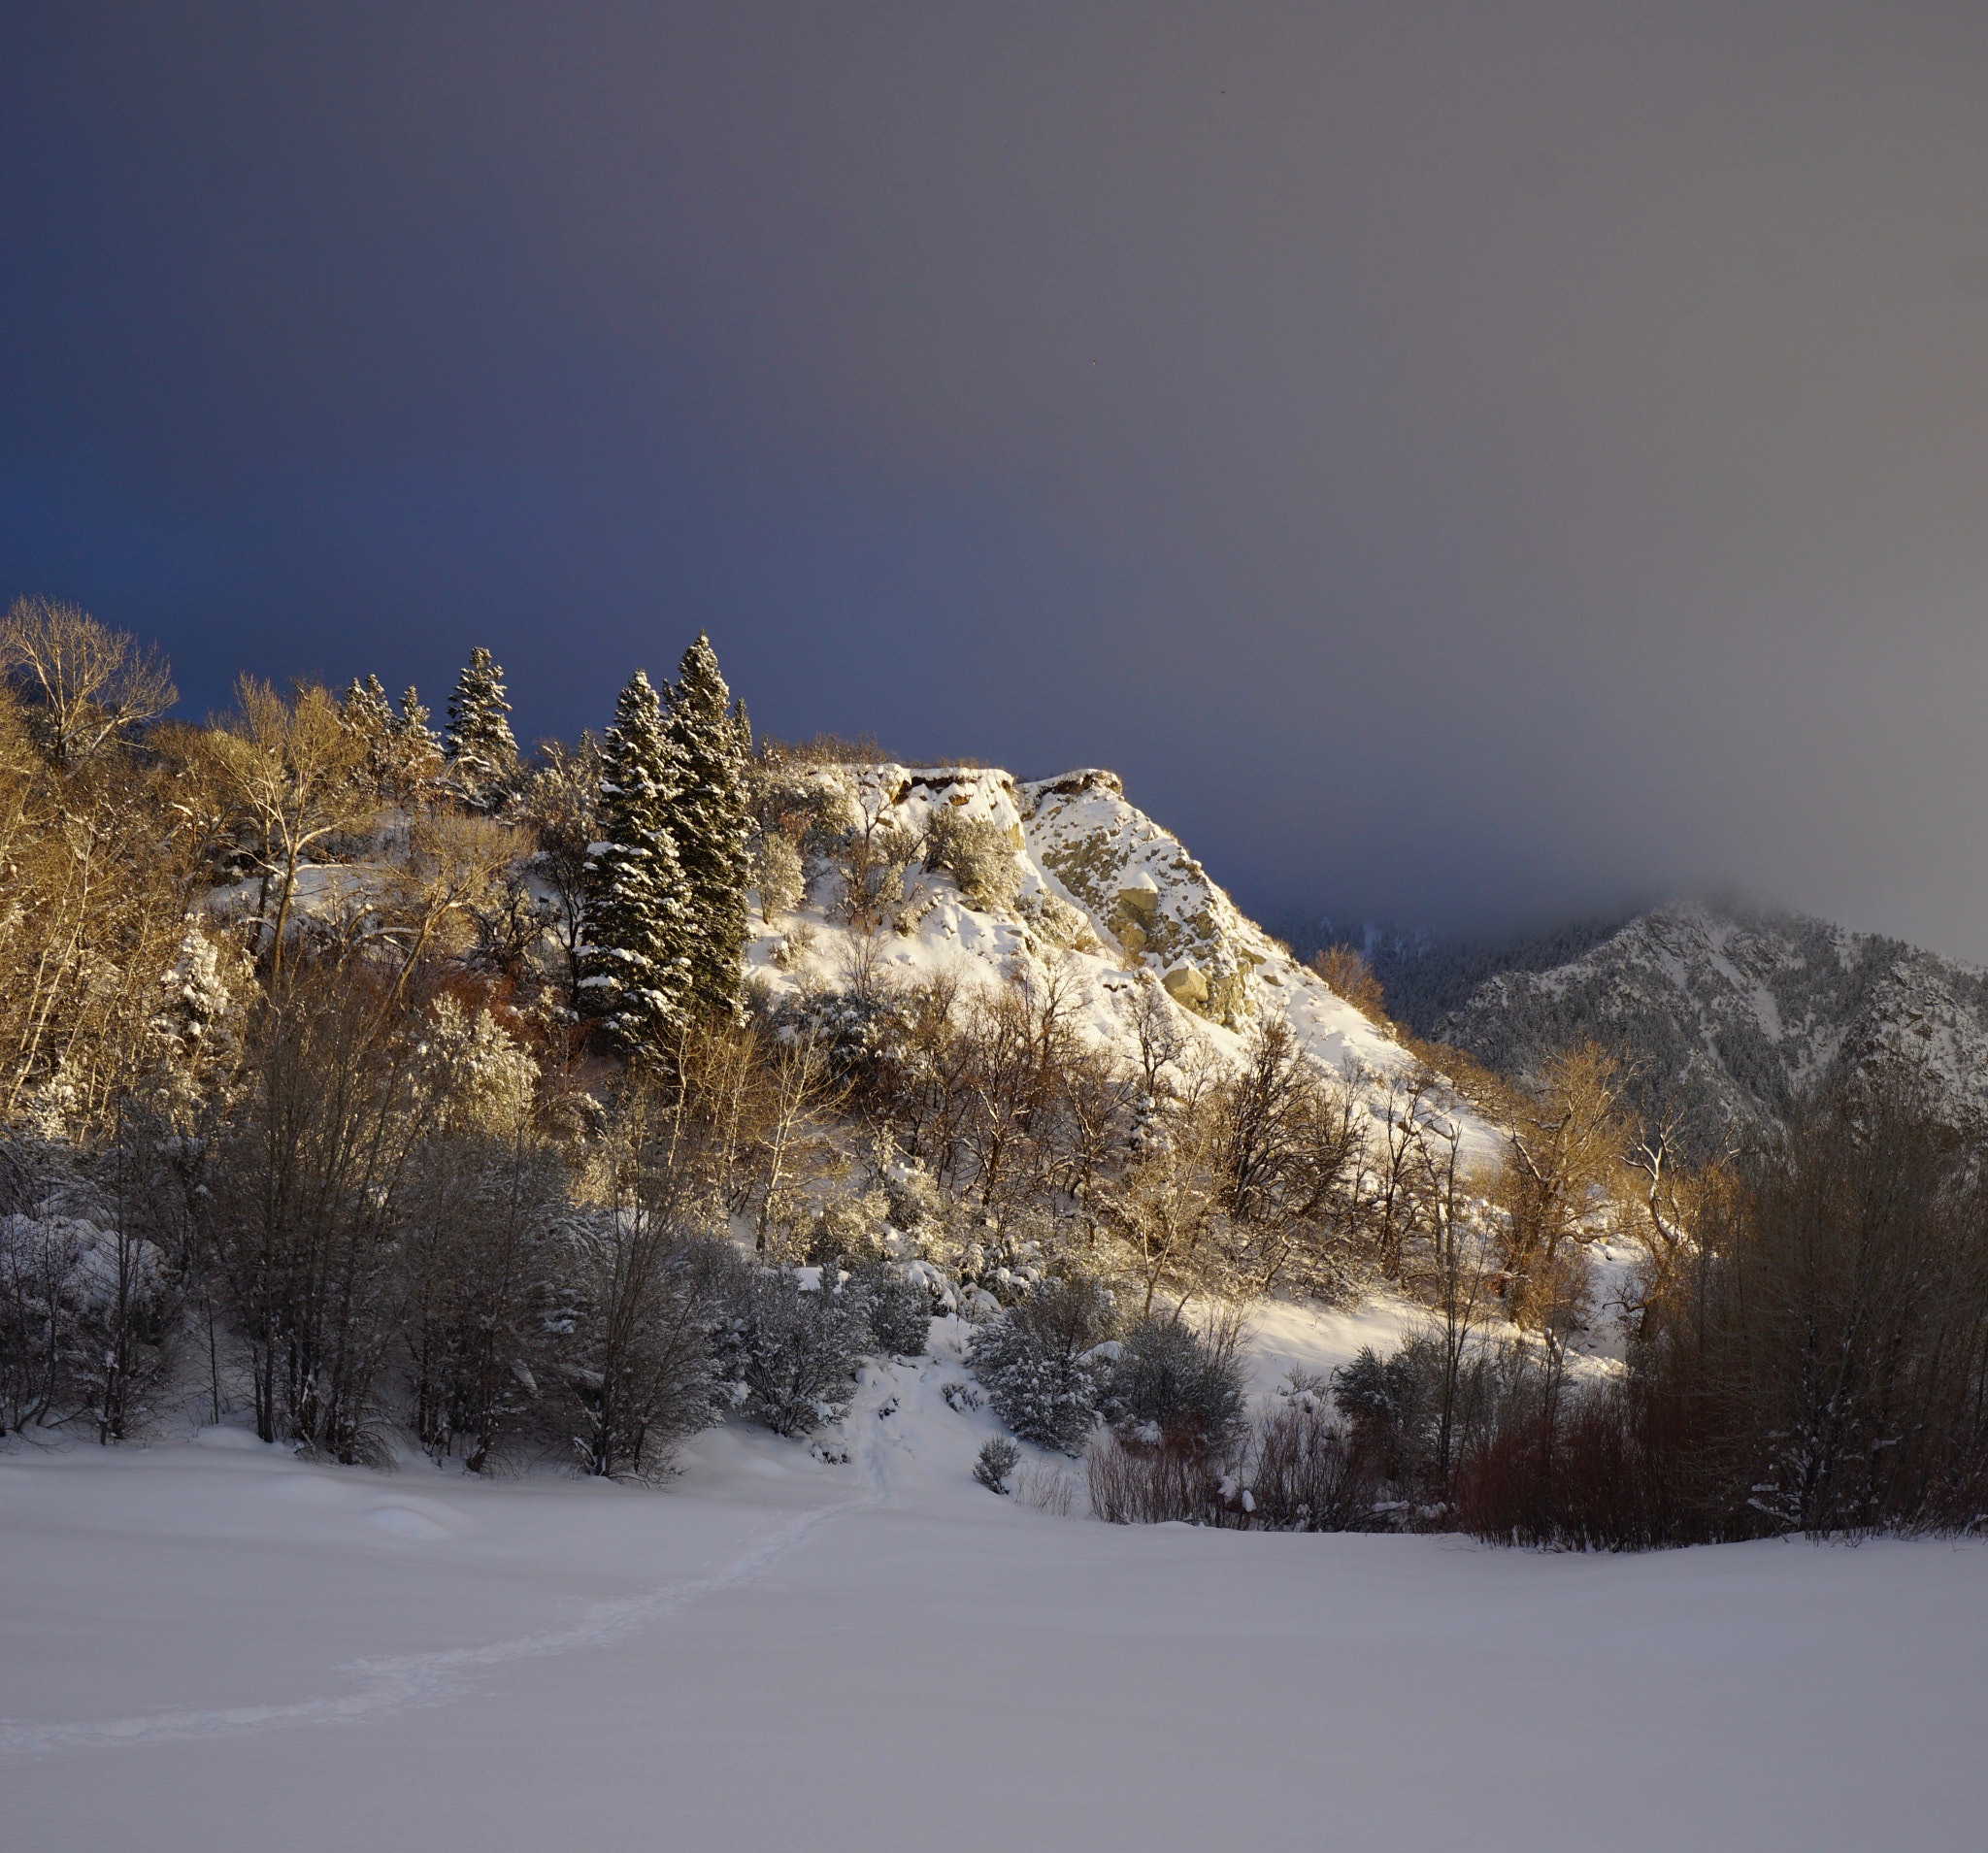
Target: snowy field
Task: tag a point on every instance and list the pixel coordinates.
(215, 1646)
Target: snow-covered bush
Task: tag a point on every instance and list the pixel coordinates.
(1392, 1402)
(797, 1347)
(897, 1306)
(849, 1229)
(998, 1458)
(1057, 923)
(1173, 1381)
(978, 855)
(920, 1206)
(794, 947)
(811, 803)
(1042, 1365)
(1014, 1256)
(477, 1076)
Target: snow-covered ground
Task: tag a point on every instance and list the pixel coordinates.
(215, 1646)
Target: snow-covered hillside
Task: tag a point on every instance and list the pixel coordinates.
(1112, 897)
(1733, 1010)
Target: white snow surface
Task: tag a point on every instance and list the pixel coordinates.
(216, 1646)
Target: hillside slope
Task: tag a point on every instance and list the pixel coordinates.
(1107, 894)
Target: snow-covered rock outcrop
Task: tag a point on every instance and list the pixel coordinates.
(1110, 896)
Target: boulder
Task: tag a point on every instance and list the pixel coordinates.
(1139, 895)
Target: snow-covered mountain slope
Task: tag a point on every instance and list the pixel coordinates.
(1734, 1011)
(1106, 894)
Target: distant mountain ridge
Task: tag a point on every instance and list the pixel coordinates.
(1427, 978)
(1729, 1012)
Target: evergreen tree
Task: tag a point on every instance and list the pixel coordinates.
(710, 822)
(408, 752)
(635, 965)
(480, 745)
(367, 712)
(412, 725)
(366, 708)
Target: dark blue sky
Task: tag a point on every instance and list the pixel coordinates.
(1458, 462)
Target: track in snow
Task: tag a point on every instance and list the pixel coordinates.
(431, 1678)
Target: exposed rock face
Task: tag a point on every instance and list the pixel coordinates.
(1103, 897)
(1140, 887)
(1099, 888)
(1733, 1012)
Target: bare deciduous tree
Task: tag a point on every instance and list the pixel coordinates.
(1165, 1211)
(302, 1215)
(1393, 1200)
(291, 768)
(1156, 1024)
(445, 869)
(86, 682)
(1559, 1153)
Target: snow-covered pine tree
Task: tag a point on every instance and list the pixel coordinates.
(709, 820)
(366, 708)
(409, 750)
(480, 745)
(634, 964)
(415, 734)
(366, 712)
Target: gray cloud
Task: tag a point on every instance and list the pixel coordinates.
(1458, 462)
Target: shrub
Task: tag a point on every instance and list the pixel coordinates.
(898, 1308)
(1162, 1483)
(1040, 1366)
(1418, 1413)
(797, 1349)
(1349, 975)
(1308, 1473)
(1187, 1385)
(1048, 1489)
(1387, 1400)
(977, 853)
(849, 1229)
(997, 1459)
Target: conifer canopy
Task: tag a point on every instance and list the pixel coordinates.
(636, 963)
(480, 745)
(707, 819)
